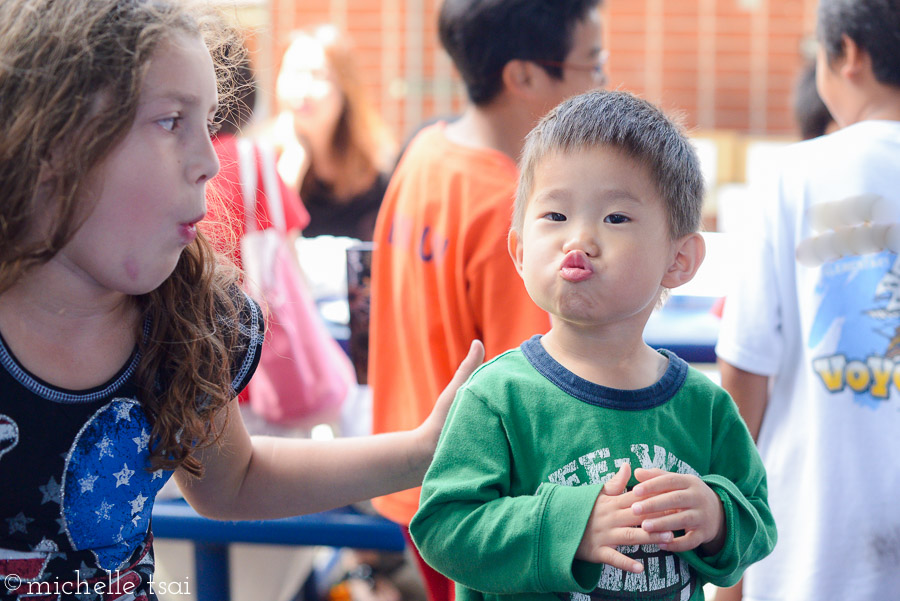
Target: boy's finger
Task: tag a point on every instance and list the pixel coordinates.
(630, 536)
(665, 502)
(610, 556)
(680, 520)
(660, 483)
(682, 543)
(644, 474)
(654, 515)
(619, 482)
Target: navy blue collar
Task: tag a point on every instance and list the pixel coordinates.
(602, 396)
(60, 395)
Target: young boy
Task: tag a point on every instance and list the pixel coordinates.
(605, 220)
(810, 353)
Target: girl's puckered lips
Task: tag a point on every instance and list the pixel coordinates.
(188, 229)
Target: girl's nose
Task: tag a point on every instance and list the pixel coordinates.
(206, 162)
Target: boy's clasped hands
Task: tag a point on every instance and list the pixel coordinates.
(662, 504)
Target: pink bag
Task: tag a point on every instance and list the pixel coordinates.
(303, 375)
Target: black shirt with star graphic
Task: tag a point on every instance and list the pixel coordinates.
(77, 494)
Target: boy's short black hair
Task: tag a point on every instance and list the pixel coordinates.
(631, 125)
(481, 36)
(873, 25)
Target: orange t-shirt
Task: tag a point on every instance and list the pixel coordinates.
(441, 276)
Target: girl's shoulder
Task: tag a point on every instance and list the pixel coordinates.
(251, 331)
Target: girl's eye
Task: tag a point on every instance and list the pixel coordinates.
(170, 123)
(213, 127)
(552, 216)
(616, 218)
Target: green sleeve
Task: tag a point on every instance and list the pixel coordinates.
(737, 475)
(468, 521)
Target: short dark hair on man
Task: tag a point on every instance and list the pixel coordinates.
(481, 36)
(631, 125)
(874, 25)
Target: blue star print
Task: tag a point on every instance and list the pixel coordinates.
(106, 486)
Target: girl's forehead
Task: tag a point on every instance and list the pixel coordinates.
(181, 69)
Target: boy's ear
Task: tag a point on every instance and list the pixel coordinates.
(518, 77)
(514, 245)
(689, 253)
(854, 60)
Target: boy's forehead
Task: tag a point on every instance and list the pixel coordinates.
(605, 168)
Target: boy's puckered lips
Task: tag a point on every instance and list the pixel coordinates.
(575, 266)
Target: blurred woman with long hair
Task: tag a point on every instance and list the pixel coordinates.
(335, 148)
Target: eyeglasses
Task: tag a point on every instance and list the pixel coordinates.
(597, 70)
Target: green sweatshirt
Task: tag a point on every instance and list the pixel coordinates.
(524, 454)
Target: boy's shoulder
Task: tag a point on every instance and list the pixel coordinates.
(701, 396)
(854, 141)
(508, 375)
(433, 145)
(698, 383)
(508, 365)
(863, 158)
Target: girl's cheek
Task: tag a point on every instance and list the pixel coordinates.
(131, 268)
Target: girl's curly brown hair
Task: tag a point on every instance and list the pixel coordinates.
(70, 77)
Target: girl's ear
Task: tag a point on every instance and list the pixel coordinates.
(689, 253)
(514, 245)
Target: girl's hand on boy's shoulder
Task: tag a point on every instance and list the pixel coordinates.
(430, 430)
(667, 502)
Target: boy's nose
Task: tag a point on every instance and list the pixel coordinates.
(585, 240)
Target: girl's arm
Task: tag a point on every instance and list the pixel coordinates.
(266, 477)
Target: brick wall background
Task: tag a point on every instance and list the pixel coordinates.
(723, 64)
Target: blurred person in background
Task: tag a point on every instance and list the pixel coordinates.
(334, 147)
(226, 221)
(277, 572)
(441, 273)
(809, 350)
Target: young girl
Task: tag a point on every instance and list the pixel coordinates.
(124, 340)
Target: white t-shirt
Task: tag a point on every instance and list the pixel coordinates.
(830, 338)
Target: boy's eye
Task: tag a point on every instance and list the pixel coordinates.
(616, 218)
(553, 216)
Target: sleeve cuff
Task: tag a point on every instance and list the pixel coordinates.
(754, 362)
(565, 517)
(720, 568)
